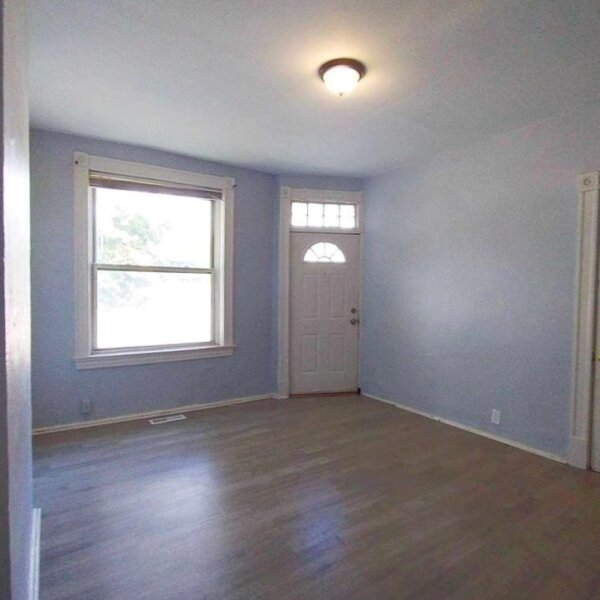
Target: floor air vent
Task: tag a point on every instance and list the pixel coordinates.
(167, 419)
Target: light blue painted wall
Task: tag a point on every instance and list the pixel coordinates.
(469, 280)
(58, 387)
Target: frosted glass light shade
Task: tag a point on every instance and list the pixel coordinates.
(341, 80)
(341, 75)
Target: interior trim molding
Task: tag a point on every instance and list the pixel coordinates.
(99, 361)
(84, 166)
(584, 345)
(283, 363)
(149, 414)
(491, 436)
(34, 565)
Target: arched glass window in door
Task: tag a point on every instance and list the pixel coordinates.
(324, 252)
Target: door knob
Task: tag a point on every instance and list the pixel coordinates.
(354, 321)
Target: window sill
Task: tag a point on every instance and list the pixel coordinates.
(99, 361)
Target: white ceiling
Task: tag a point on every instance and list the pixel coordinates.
(235, 81)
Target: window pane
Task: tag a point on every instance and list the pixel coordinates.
(299, 210)
(332, 215)
(347, 216)
(324, 252)
(153, 309)
(141, 228)
(315, 215)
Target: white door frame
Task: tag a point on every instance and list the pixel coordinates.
(588, 187)
(287, 196)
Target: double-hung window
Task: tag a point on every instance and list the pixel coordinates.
(153, 263)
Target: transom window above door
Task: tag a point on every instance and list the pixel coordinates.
(324, 215)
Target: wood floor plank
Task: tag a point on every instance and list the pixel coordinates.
(316, 498)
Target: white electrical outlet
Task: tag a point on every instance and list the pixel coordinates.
(86, 406)
(495, 416)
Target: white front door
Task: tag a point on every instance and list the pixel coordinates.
(324, 315)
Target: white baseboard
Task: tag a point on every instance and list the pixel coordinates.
(149, 414)
(34, 562)
(491, 436)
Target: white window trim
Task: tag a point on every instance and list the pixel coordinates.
(85, 357)
(327, 197)
(287, 196)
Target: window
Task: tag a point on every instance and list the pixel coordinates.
(153, 264)
(324, 252)
(324, 215)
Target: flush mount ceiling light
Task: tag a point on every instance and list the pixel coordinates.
(341, 75)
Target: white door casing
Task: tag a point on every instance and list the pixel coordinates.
(594, 183)
(595, 416)
(585, 439)
(324, 315)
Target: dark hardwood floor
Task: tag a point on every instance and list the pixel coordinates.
(330, 498)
